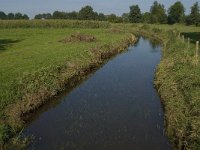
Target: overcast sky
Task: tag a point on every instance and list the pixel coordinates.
(32, 7)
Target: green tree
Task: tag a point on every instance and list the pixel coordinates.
(72, 15)
(38, 16)
(114, 18)
(176, 13)
(194, 17)
(96, 16)
(135, 14)
(87, 13)
(146, 17)
(21, 16)
(25, 17)
(43, 16)
(101, 17)
(125, 17)
(11, 16)
(18, 16)
(3, 16)
(47, 16)
(59, 15)
(158, 13)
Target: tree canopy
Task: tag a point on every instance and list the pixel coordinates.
(2, 15)
(12, 16)
(176, 13)
(135, 15)
(158, 13)
(194, 17)
(87, 13)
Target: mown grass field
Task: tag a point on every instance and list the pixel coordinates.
(29, 50)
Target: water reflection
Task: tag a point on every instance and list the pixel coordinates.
(116, 108)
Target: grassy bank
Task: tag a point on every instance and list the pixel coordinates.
(37, 64)
(178, 83)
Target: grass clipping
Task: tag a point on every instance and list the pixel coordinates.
(79, 37)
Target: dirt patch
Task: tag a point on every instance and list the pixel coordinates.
(115, 30)
(79, 37)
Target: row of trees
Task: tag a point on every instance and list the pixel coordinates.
(86, 13)
(12, 16)
(157, 14)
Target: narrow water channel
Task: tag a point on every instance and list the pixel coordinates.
(116, 108)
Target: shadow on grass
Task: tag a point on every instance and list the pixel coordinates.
(4, 43)
(194, 36)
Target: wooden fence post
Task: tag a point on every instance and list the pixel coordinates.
(179, 35)
(188, 43)
(197, 49)
(183, 38)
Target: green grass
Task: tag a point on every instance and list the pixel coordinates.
(34, 49)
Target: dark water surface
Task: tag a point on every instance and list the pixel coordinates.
(117, 108)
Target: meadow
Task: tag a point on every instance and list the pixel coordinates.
(38, 58)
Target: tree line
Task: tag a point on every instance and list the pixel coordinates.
(12, 16)
(157, 15)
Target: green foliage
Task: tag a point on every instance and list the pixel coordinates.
(72, 15)
(5, 133)
(125, 17)
(194, 17)
(146, 17)
(19, 16)
(87, 13)
(158, 14)
(135, 15)
(59, 15)
(2, 16)
(101, 17)
(12, 16)
(176, 13)
(114, 19)
(43, 16)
